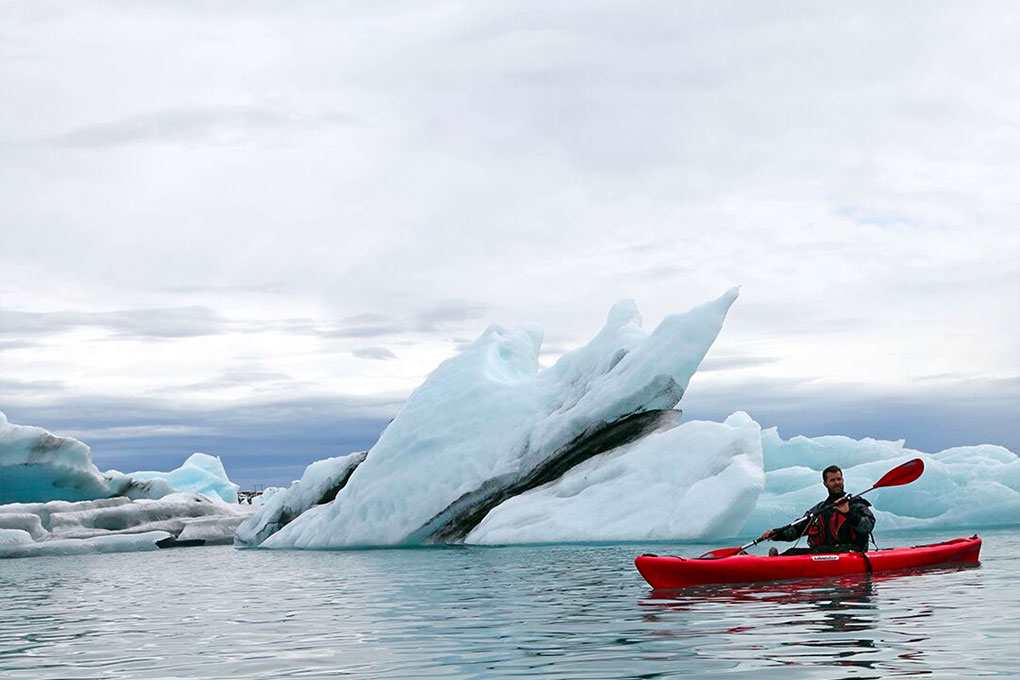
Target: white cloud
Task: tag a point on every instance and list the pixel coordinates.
(377, 353)
(282, 173)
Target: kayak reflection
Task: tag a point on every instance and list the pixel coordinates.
(805, 623)
(783, 592)
(843, 625)
(836, 595)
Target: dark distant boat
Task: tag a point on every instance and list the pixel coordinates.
(171, 542)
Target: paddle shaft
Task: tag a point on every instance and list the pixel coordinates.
(846, 498)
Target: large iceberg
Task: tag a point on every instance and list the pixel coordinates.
(491, 449)
(488, 425)
(38, 466)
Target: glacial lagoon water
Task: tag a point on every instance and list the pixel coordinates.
(561, 611)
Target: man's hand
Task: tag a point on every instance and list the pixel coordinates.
(765, 536)
(843, 507)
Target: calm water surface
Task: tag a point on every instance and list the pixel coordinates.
(549, 612)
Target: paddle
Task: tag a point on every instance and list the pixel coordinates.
(898, 476)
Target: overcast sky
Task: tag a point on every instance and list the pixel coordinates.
(252, 228)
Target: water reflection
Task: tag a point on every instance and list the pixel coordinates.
(549, 612)
(807, 623)
(835, 623)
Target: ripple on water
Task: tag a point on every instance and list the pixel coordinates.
(553, 611)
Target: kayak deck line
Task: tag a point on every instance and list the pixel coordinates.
(671, 571)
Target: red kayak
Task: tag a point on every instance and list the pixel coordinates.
(669, 572)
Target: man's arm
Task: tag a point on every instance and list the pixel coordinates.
(860, 518)
(792, 532)
(789, 532)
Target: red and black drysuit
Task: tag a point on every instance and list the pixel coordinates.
(831, 530)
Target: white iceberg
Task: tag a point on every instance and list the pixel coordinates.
(491, 449)
(698, 479)
(488, 422)
(10, 537)
(200, 473)
(72, 546)
(319, 484)
(268, 493)
(170, 513)
(38, 466)
(24, 521)
(963, 487)
(211, 530)
(72, 527)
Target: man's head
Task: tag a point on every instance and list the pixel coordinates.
(832, 477)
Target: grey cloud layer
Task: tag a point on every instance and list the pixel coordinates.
(377, 353)
(270, 442)
(192, 321)
(932, 416)
(223, 125)
(13, 389)
(14, 344)
(716, 362)
(132, 434)
(854, 167)
(170, 322)
(436, 318)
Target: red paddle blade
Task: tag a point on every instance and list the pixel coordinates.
(721, 552)
(902, 474)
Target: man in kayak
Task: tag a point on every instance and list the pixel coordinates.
(842, 527)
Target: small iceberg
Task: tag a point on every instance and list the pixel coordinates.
(115, 524)
(962, 487)
(54, 496)
(320, 483)
(38, 466)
